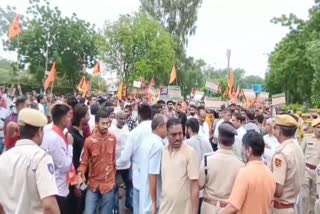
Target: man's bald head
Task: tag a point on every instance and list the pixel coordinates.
(158, 120)
(158, 125)
(121, 119)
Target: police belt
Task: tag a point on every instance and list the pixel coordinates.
(279, 205)
(214, 202)
(310, 166)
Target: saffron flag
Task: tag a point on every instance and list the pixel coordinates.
(97, 70)
(84, 86)
(51, 77)
(231, 83)
(120, 91)
(173, 75)
(15, 28)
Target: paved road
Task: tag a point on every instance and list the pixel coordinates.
(123, 210)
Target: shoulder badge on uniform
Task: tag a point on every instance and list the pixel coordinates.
(50, 168)
(278, 162)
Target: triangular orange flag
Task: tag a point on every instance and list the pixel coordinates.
(173, 76)
(51, 77)
(84, 86)
(15, 28)
(231, 83)
(238, 91)
(97, 70)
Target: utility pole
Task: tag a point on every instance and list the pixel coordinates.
(228, 58)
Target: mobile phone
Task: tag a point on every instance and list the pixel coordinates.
(83, 186)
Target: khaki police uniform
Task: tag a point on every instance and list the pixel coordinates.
(27, 171)
(311, 149)
(288, 168)
(219, 174)
(317, 203)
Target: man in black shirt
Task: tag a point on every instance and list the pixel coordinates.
(182, 116)
(80, 120)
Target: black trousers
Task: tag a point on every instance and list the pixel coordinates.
(63, 204)
(76, 202)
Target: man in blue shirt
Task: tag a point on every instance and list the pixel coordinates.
(151, 147)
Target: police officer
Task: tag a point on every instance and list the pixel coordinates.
(218, 171)
(317, 203)
(27, 181)
(288, 165)
(311, 149)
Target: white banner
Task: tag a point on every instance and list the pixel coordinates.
(137, 84)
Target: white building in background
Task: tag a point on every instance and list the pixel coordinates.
(110, 76)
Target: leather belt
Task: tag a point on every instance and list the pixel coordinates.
(216, 203)
(279, 205)
(311, 166)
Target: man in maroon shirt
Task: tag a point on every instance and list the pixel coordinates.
(10, 128)
(99, 151)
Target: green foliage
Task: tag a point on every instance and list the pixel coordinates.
(138, 46)
(190, 75)
(313, 54)
(6, 17)
(293, 66)
(178, 16)
(70, 42)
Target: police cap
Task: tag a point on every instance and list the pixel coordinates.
(315, 122)
(286, 120)
(226, 129)
(32, 117)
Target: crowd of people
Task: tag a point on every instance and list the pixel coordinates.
(69, 154)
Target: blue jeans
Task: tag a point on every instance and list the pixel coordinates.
(96, 201)
(1, 144)
(135, 201)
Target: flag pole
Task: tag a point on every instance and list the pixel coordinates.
(18, 59)
(51, 91)
(47, 56)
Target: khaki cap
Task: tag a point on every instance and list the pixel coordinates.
(31, 117)
(315, 122)
(286, 120)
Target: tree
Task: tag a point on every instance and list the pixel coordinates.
(190, 75)
(138, 47)
(69, 41)
(6, 17)
(292, 69)
(313, 54)
(178, 17)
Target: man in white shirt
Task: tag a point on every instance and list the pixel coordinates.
(226, 116)
(237, 121)
(204, 127)
(200, 144)
(271, 142)
(121, 131)
(193, 111)
(55, 142)
(41, 101)
(132, 151)
(151, 147)
(94, 109)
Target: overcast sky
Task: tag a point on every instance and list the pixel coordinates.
(240, 25)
